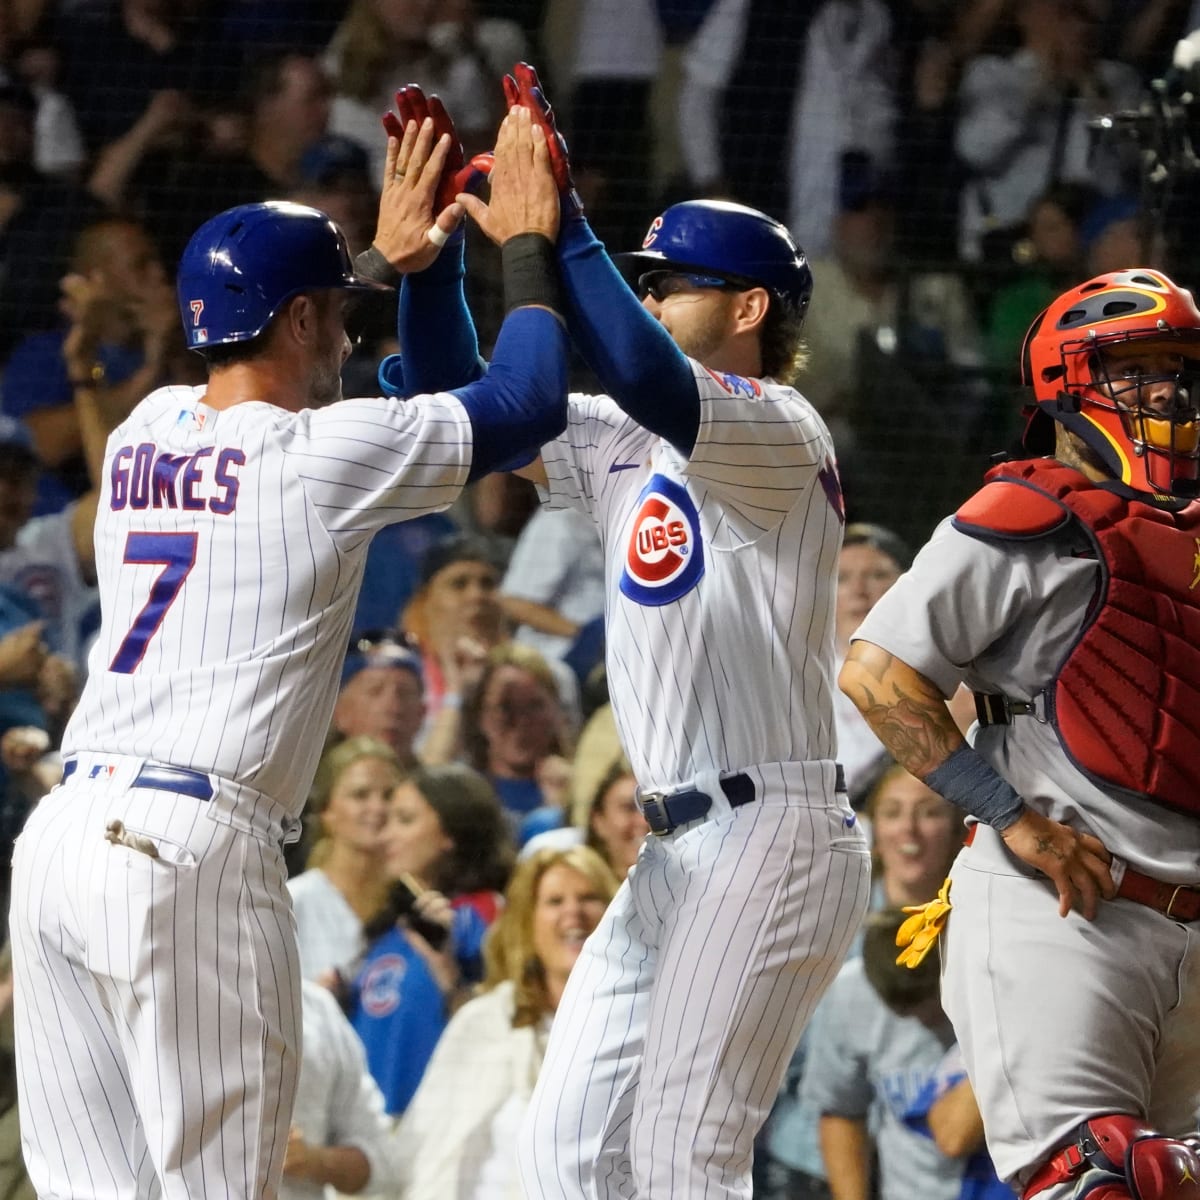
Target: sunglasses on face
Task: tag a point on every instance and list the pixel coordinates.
(661, 284)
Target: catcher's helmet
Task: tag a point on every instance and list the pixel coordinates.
(1150, 445)
(241, 266)
(731, 241)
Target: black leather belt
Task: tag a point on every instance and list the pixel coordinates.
(666, 811)
(179, 780)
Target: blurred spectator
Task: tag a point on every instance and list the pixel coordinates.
(461, 30)
(846, 101)
(333, 174)
(183, 160)
(920, 323)
(446, 831)
(448, 858)
(946, 1112)
(344, 885)
(709, 61)
(1023, 123)
(380, 46)
(915, 835)
(618, 55)
(124, 336)
(457, 619)
(554, 584)
(512, 719)
(877, 1034)
(119, 54)
(1113, 237)
(615, 825)
(1044, 262)
(39, 216)
(57, 143)
(485, 1066)
(382, 695)
(340, 1136)
(871, 560)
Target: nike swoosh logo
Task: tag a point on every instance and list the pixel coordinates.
(623, 467)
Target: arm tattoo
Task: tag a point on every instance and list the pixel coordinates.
(918, 732)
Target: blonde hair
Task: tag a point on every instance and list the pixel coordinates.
(363, 52)
(508, 953)
(333, 765)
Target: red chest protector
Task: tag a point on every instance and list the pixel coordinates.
(1125, 700)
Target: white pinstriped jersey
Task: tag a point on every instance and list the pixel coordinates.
(230, 547)
(720, 575)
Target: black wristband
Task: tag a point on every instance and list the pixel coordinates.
(373, 265)
(531, 273)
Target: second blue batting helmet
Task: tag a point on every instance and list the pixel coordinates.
(244, 264)
(729, 240)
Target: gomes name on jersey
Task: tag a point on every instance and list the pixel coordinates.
(145, 476)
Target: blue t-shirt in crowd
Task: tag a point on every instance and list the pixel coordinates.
(36, 378)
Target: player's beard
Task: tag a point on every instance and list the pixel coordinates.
(325, 386)
(701, 337)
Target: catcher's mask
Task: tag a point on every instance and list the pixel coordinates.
(1117, 362)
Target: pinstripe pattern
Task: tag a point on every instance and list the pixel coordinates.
(156, 1000)
(257, 634)
(679, 1019)
(158, 996)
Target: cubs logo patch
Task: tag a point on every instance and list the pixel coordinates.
(737, 385)
(380, 989)
(665, 556)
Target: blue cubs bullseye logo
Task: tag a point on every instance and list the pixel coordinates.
(665, 556)
(379, 992)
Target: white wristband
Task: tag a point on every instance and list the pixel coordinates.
(451, 700)
(437, 235)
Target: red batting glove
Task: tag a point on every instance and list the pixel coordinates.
(458, 175)
(524, 88)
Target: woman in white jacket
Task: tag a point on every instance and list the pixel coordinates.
(457, 1140)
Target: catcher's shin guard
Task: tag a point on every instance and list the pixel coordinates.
(1117, 1157)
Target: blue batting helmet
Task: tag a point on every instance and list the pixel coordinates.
(728, 240)
(244, 264)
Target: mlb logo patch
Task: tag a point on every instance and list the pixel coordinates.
(102, 771)
(664, 559)
(200, 336)
(191, 418)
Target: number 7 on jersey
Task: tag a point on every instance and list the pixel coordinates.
(177, 554)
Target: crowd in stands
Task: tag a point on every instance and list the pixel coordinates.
(474, 812)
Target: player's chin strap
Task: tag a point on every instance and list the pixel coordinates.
(1117, 1157)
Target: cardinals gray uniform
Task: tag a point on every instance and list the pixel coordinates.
(157, 982)
(681, 1014)
(1057, 1018)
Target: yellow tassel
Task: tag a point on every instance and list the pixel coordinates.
(918, 935)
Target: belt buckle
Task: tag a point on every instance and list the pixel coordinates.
(654, 809)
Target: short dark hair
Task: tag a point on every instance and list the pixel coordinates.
(228, 354)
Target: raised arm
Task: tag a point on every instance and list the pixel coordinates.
(439, 346)
(632, 354)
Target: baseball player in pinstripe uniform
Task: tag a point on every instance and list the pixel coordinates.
(714, 489)
(157, 982)
(1066, 594)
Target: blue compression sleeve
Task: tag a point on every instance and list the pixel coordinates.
(434, 327)
(632, 354)
(521, 403)
(971, 783)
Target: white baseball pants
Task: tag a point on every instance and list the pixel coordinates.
(681, 1015)
(157, 999)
